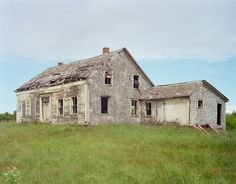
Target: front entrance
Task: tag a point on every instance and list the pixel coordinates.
(46, 111)
(219, 107)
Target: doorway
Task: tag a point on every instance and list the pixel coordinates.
(46, 111)
(219, 107)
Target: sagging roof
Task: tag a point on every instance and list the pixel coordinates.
(178, 90)
(75, 71)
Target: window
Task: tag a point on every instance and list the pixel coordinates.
(136, 82)
(32, 107)
(104, 105)
(37, 107)
(107, 78)
(23, 108)
(74, 105)
(200, 104)
(149, 109)
(60, 106)
(134, 107)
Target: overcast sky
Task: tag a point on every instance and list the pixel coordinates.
(42, 32)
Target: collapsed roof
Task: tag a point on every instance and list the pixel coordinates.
(75, 71)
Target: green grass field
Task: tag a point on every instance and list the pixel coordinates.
(117, 154)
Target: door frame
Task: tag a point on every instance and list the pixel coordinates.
(41, 107)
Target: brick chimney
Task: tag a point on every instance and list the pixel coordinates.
(105, 50)
(60, 63)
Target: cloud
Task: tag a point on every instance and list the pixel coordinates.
(151, 29)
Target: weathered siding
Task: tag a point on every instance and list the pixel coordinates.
(207, 114)
(29, 103)
(120, 92)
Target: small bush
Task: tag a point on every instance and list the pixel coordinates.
(12, 176)
(231, 121)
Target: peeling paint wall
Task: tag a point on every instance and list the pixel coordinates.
(120, 91)
(30, 105)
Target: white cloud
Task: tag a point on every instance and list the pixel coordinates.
(71, 29)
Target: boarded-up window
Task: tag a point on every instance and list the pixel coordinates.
(104, 105)
(134, 107)
(148, 108)
(74, 105)
(23, 108)
(136, 81)
(32, 107)
(60, 106)
(37, 104)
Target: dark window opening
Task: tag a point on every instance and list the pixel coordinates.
(45, 99)
(107, 78)
(149, 109)
(104, 105)
(200, 104)
(219, 107)
(60, 106)
(136, 81)
(134, 107)
(74, 105)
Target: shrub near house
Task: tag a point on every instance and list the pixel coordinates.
(7, 117)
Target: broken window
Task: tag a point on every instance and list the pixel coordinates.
(136, 81)
(104, 105)
(148, 108)
(60, 106)
(134, 107)
(23, 108)
(107, 78)
(200, 104)
(74, 105)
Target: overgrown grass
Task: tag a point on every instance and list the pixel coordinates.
(231, 121)
(117, 154)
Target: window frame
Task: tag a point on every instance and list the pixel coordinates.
(104, 110)
(74, 106)
(136, 81)
(200, 104)
(134, 107)
(148, 108)
(60, 107)
(108, 78)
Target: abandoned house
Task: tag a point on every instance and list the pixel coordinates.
(112, 87)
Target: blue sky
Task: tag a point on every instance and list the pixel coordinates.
(173, 41)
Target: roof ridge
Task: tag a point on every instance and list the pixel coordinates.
(180, 83)
(89, 58)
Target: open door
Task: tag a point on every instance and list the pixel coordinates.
(219, 108)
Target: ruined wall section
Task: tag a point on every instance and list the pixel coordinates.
(29, 103)
(120, 91)
(208, 113)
